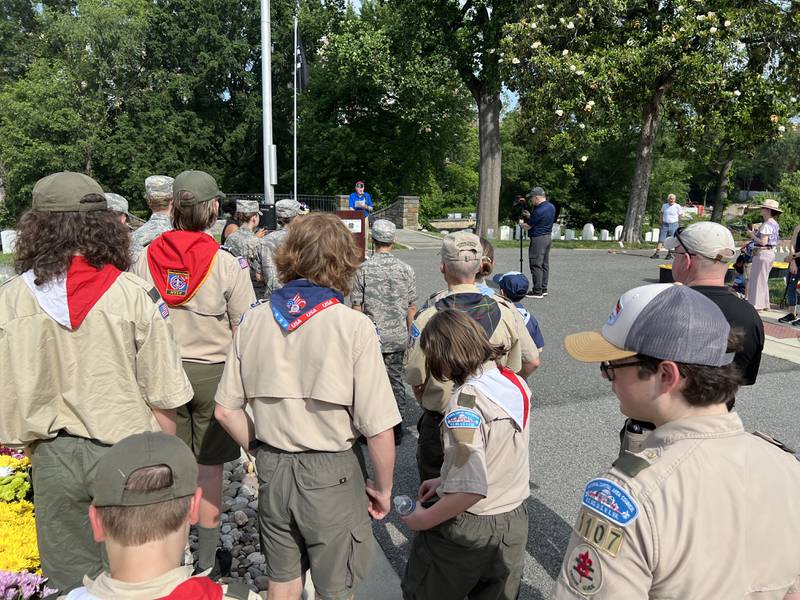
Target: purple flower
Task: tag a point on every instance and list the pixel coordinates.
(23, 586)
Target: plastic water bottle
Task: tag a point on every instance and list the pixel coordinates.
(404, 505)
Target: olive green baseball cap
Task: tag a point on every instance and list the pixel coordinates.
(139, 451)
(200, 184)
(68, 192)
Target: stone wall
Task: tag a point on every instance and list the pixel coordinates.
(403, 212)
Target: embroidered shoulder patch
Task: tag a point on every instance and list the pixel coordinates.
(584, 571)
(413, 335)
(243, 262)
(462, 418)
(164, 310)
(177, 283)
(154, 295)
(610, 500)
(598, 532)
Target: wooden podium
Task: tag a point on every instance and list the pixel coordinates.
(358, 225)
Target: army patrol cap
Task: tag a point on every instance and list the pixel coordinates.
(664, 320)
(68, 192)
(202, 185)
(461, 246)
(117, 203)
(158, 186)
(383, 231)
(139, 451)
(248, 206)
(286, 209)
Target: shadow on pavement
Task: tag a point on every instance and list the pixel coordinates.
(548, 536)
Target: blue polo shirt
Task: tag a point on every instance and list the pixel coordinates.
(354, 197)
(541, 219)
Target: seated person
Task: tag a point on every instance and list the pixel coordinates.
(146, 499)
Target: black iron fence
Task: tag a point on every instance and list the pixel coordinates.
(316, 203)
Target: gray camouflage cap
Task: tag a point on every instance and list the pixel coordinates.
(117, 203)
(383, 231)
(247, 206)
(158, 185)
(286, 209)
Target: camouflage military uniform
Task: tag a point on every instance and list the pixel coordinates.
(386, 287)
(266, 259)
(157, 224)
(244, 242)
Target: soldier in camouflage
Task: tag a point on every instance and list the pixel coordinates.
(285, 211)
(158, 193)
(119, 205)
(245, 242)
(385, 289)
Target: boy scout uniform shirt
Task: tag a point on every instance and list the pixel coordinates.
(326, 383)
(510, 332)
(712, 515)
(203, 324)
(494, 464)
(386, 287)
(98, 381)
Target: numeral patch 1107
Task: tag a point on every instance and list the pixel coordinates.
(599, 533)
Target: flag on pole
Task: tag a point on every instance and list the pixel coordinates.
(301, 64)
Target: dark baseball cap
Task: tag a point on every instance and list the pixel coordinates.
(514, 284)
(139, 451)
(537, 191)
(202, 185)
(68, 192)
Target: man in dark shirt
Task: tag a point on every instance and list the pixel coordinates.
(539, 227)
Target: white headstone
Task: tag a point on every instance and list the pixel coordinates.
(604, 235)
(8, 238)
(518, 230)
(569, 234)
(490, 234)
(505, 232)
(648, 237)
(654, 236)
(473, 215)
(588, 232)
(618, 232)
(456, 215)
(555, 234)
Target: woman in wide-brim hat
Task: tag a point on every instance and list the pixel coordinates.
(766, 240)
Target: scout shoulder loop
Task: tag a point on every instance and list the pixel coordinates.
(630, 464)
(466, 400)
(774, 442)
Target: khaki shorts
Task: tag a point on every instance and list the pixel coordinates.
(196, 424)
(312, 513)
(476, 556)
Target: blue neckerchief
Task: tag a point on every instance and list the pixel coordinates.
(299, 300)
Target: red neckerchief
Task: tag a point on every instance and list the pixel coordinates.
(195, 588)
(179, 263)
(85, 286)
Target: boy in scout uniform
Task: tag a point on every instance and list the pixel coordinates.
(705, 510)
(245, 242)
(147, 498)
(158, 193)
(285, 212)
(471, 543)
(461, 258)
(326, 387)
(385, 289)
(87, 356)
(208, 290)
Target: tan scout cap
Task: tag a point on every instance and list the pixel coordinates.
(455, 245)
(705, 238)
(158, 186)
(383, 231)
(68, 192)
(139, 451)
(117, 203)
(200, 184)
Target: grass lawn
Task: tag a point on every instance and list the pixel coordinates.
(6, 259)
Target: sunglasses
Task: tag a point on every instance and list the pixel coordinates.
(678, 232)
(607, 369)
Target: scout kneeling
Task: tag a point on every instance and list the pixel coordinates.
(147, 497)
(476, 533)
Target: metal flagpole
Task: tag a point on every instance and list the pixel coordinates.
(270, 162)
(294, 122)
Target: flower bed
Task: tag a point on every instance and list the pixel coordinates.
(20, 575)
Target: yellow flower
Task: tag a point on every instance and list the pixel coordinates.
(18, 549)
(17, 464)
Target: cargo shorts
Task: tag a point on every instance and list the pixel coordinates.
(312, 513)
(475, 556)
(195, 422)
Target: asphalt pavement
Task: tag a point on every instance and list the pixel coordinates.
(575, 418)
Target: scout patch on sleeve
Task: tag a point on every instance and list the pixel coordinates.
(177, 283)
(584, 571)
(599, 532)
(610, 500)
(154, 295)
(413, 335)
(162, 308)
(462, 423)
(243, 262)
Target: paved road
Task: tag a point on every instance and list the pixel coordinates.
(575, 418)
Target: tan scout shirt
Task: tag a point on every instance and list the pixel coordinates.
(98, 381)
(106, 588)
(203, 324)
(718, 518)
(511, 332)
(316, 388)
(496, 466)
